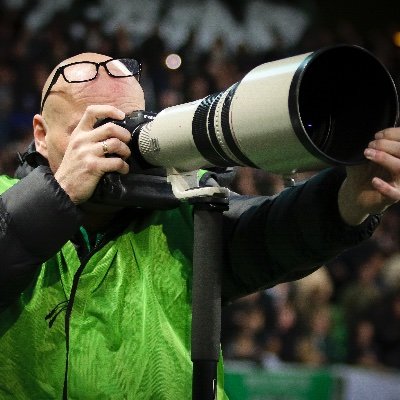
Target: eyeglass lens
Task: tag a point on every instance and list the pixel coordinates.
(122, 67)
(80, 72)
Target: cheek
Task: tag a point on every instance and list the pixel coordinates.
(56, 147)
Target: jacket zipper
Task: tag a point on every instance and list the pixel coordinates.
(98, 245)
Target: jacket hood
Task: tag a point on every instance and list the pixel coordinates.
(28, 161)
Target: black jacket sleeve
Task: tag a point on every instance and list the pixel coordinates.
(286, 237)
(268, 240)
(32, 213)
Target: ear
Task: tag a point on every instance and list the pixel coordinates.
(39, 133)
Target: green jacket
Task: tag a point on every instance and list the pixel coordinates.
(128, 320)
(130, 325)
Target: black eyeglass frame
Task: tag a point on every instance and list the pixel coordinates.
(60, 71)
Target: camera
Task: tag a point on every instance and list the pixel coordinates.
(301, 113)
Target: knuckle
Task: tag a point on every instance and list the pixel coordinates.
(91, 164)
(121, 166)
(118, 147)
(112, 143)
(127, 151)
(91, 109)
(112, 129)
(386, 131)
(124, 134)
(123, 147)
(107, 128)
(382, 145)
(389, 133)
(380, 156)
(119, 163)
(74, 144)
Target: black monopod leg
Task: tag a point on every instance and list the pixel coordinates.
(206, 295)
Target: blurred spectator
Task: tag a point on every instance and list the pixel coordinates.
(199, 86)
(391, 272)
(361, 294)
(139, 18)
(7, 80)
(321, 339)
(244, 325)
(387, 235)
(317, 347)
(269, 26)
(386, 319)
(255, 182)
(288, 330)
(313, 291)
(363, 349)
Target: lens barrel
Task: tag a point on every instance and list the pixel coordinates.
(295, 114)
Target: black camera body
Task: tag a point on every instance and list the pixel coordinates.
(133, 122)
(145, 186)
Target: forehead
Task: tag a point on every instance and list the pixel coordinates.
(103, 90)
(123, 93)
(66, 107)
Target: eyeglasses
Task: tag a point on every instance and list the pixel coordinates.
(85, 71)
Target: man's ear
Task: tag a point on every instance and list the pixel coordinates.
(39, 133)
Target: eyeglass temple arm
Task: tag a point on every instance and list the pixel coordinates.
(52, 83)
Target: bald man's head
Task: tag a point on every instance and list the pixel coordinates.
(68, 93)
(57, 82)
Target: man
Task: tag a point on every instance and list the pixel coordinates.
(121, 279)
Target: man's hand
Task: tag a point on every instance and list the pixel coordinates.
(372, 187)
(85, 161)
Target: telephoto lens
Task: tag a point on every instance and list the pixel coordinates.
(300, 113)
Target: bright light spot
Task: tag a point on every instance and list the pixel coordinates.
(396, 39)
(173, 61)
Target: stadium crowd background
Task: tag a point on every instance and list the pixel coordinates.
(348, 311)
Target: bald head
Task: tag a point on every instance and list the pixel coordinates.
(66, 103)
(102, 90)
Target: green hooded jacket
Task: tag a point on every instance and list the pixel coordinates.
(121, 317)
(130, 325)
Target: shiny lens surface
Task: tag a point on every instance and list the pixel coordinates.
(80, 72)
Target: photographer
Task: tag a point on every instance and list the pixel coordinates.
(96, 300)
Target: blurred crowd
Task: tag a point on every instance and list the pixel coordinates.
(346, 312)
